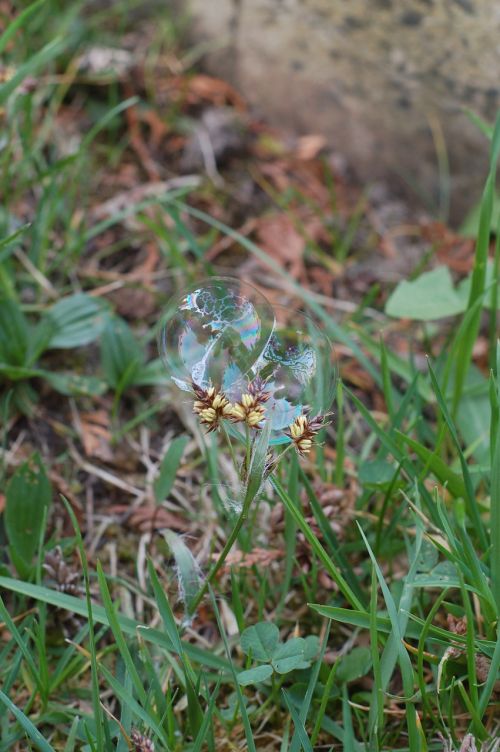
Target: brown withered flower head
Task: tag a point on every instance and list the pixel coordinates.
(303, 430)
(211, 405)
(250, 407)
(141, 743)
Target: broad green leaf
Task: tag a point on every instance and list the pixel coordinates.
(376, 473)
(73, 384)
(260, 640)
(254, 675)
(28, 496)
(311, 647)
(354, 665)
(77, 319)
(168, 469)
(14, 334)
(18, 373)
(121, 355)
(152, 374)
(290, 656)
(431, 296)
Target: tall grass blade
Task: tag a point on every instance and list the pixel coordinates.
(464, 354)
(27, 725)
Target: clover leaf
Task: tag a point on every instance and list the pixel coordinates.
(262, 643)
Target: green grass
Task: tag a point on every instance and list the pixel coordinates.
(354, 617)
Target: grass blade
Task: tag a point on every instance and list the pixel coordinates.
(27, 725)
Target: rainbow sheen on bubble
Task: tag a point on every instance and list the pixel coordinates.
(214, 333)
(224, 333)
(299, 367)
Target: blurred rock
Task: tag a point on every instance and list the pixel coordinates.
(387, 82)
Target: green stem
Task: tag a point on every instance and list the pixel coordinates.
(225, 551)
(248, 448)
(495, 526)
(230, 446)
(256, 453)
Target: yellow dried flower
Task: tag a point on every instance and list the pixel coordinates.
(248, 410)
(303, 430)
(211, 406)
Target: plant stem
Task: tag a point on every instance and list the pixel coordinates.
(220, 561)
(255, 467)
(248, 448)
(230, 446)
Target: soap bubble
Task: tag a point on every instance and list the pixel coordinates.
(299, 368)
(214, 333)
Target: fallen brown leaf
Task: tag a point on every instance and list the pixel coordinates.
(308, 147)
(261, 556)
(95, 435)
(280, 239)
(150, 516)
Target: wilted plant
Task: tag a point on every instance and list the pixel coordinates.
(263, 377)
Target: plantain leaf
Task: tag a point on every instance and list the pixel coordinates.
(168, 469)
(77, 320)
(28, 497)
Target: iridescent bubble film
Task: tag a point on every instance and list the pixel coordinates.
(214, 333)
(299, 367)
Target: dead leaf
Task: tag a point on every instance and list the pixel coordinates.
(150, 516)
(308, 147)
(2, 503)
(451, 249)
(212, 89)
(280, 239)
(139, 193)
(95, 435)
(259, 556)
(352, 373)
(133, 302)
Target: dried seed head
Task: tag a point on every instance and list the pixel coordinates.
(211, 406)
(141, 743)
(303, 430)
(257, 388)
(63, 577)
(248, 410)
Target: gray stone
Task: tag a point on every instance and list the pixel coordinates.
(385, 80)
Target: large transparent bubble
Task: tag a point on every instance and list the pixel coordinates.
(299, 368)
(215, 333)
